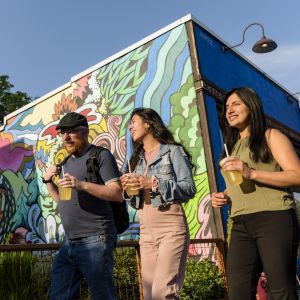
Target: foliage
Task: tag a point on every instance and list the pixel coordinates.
(125, 274)
(10, 101)
(42, 278)
(23, 277)
(17, 238)
(202, 281)
(15, 276)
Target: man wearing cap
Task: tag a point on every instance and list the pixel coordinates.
(87, 250)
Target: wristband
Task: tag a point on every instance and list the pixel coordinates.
(46, 181)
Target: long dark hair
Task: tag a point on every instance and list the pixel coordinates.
(259, 150)
(157, 128)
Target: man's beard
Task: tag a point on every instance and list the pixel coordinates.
(76, 147)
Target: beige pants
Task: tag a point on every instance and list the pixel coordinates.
(164, 244)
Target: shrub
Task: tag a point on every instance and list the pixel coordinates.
(125, 274)
(16, 276)
(22, 276)
(202, 281)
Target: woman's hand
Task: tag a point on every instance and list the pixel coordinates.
(130, 179)
(138, 182)
(145, 183)
(218, 200)
(233, 163)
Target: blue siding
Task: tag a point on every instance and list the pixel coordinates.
(227, 70)
(216, 147)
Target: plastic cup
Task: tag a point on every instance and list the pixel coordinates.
(131, 189)
(64, 192)
(231, 177)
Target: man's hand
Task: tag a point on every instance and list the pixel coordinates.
(69, 181)
(52, 171)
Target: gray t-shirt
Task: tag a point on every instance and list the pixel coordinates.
(85, 215)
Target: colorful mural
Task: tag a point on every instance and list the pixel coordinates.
(157, 74)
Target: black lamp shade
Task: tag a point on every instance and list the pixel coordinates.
(264, 45)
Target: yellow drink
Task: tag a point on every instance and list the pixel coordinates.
(64, 192)
(132, 190)
(231, 177)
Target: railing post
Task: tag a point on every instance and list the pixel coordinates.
(138, 266)
(221, 260)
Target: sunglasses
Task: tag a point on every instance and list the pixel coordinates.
(70, 130)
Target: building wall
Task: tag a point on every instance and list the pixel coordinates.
(157, 74)
(221, 71)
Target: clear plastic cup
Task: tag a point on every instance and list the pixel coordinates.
(231, 177)
(64, 192)
(131, 189)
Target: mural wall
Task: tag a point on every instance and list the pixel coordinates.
(157, 75)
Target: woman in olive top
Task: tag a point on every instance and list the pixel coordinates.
(265, 229)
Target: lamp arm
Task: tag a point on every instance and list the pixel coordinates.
(243, 39)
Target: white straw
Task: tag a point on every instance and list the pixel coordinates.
(62, 170)
(129, 165)
(225, 147)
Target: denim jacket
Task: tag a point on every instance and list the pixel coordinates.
(173, 171)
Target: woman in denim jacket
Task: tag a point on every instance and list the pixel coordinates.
(163, 176)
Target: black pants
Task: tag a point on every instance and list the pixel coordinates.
(263, 241)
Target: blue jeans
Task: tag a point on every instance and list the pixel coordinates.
(90, 257)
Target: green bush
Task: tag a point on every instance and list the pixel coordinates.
(202, 281)
(125, 274)
(22, 276)
(16, 276)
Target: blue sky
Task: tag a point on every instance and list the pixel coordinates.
(45, 43)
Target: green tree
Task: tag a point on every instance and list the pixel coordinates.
(10, 101)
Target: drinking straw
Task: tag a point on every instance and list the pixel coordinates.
(129, 165)
(225, 147)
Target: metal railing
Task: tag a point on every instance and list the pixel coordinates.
(127, 270)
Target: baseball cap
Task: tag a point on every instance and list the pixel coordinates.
(71, 120)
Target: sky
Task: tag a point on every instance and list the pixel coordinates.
(45, 43)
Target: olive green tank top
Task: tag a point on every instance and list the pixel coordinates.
(251, 196)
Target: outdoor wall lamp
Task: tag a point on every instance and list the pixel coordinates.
(291, 98)
(264, 45)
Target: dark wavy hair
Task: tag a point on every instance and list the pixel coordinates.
(157, 128)
(259, 150)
